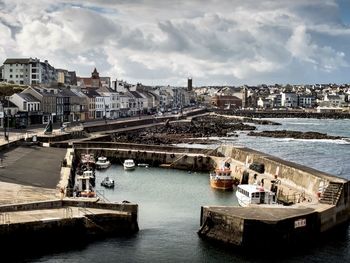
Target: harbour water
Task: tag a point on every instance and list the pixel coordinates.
(169, 206)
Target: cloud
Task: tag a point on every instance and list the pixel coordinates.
(163, 42)
(326, 58)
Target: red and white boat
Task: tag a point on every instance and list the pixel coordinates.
(221, 179)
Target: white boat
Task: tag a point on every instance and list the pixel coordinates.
(248, 194)
(129, 164)
(107, 182)
(143, 165)
(102, 163)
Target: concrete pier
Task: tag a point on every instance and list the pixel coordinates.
(258, 226)
(66, 219)
(33, 211)
(319, 202)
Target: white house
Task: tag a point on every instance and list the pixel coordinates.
(334, 100)
(264, 103)
(25, 102)
(289, 99)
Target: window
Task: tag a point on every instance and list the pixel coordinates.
(17, 76)
(24, 105)
(10, 69)
(10, 76)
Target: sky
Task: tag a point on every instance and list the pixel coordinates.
(163, 42)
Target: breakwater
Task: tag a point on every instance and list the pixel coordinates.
(320, 203)
(285, 114)
(63, 220)
(190, 159)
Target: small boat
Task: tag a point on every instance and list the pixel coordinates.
(109, 183)
(248, 194)
(87, 159)
(221, 179)
(143, 165)
(129, 164)
(102, 163)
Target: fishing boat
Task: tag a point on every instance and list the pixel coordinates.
(221, 179)
(88, 160)
(129, 164)
(108, 183)
(249, 194)
(102, 163)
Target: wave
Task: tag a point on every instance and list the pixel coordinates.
(304, 123)
(338, 141)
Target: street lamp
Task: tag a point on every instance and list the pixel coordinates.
(7, 128)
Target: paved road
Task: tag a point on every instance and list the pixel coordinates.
(33, 166)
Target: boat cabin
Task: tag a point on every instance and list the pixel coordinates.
(248, 194)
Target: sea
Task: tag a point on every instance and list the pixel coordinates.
(170, 202)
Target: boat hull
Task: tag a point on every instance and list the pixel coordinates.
(222, 184)
(129, 168)
(101, 166)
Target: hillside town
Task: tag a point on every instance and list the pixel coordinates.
(34, 92)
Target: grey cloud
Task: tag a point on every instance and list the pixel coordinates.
(213, 40)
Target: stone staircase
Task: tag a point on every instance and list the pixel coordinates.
(332, 193)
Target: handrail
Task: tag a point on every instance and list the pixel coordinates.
(100, 193)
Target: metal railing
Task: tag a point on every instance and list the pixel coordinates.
(5, 218)
(101, 195)
(68, 212)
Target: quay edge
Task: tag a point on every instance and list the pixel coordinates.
(327, 206)
(60, 221)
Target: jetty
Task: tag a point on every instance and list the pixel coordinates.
(317, 203)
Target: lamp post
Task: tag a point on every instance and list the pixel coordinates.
(7, 128)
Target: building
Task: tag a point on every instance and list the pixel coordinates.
(289, 99)
(28, 71)
(334, 100)
(307, 101)
(8, 111)
(92, 95)
(30, 106)
(47, 98)
(264, 103)
(93, 82)
(66, 77)
(226, 102)
(79, 105)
